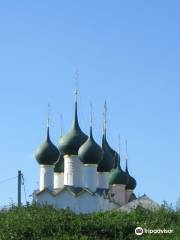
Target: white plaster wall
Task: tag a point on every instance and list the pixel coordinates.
(105, 205)
(103, 180)
(65, 200)
(90, 176)
(72, 171)
(128, 195)
(46, 177)
(84, 203)
(45, 198)
(58, 180)
(119, 193)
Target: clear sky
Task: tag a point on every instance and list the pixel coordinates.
(127, 52)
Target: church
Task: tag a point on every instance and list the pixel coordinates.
(81, 175)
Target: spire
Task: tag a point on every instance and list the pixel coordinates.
(105, 118)
(119, 152)
(48, 122)
(119, 145)
(126, 157)
(61, 123)
(75, 122)
(90, 134)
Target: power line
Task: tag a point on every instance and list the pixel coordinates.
(8, 179)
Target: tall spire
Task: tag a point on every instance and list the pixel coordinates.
(91, 119)
(48, 122)
(119, 145)
(61, 124)
(105, 118)
(119, 151)
(75, 122)
(126, 156)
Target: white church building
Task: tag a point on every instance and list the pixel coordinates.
(81, 175)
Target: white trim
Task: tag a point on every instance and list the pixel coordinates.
(47, 165)
(90, 165)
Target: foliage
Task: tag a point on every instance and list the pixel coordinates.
(32, 222)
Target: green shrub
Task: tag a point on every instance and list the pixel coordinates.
(46, 223)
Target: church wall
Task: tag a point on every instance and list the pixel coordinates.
(72, 171)
(90, 176)
(65, 200)
(58, 180)
(119, 192)
(83, 203)
(103, 180)
(128, 195)
(46, 177)
(45, 198)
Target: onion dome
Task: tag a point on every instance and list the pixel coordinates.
(47, 153)
(108, 160)
(131, 182)
(90, 152)
(118, 176)
(59, 167)
(70, 143)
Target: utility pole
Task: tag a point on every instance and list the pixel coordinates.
(19, 188)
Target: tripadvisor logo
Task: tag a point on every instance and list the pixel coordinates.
(140, 231)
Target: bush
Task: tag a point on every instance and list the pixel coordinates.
(46, 223)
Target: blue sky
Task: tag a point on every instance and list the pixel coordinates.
(127, 52)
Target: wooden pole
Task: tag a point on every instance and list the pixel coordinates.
(19, 188)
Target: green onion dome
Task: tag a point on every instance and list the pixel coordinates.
(70, 143)
(47, 153)
(108, 160)
(59, 166)
(90, 152)
(131, 182)
(118, 176)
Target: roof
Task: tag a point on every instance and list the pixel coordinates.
(70, 143)
(90, 152)
(59, 166)
(108, 159)
(143, 201)
(75, 191)
(118, 176)
(47, 153)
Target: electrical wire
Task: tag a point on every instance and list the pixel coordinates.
(8, 179)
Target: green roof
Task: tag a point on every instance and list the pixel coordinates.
(70, 143)
(118, 176)
(59, 167)
(90, 152)
(107, 162)
(47, 153)
(131, 183)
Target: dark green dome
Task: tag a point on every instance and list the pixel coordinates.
(108, 160)
(70, 143)
(118, 176)
(59, 167)
(131, 183)
(47, 153)
(90, 152)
